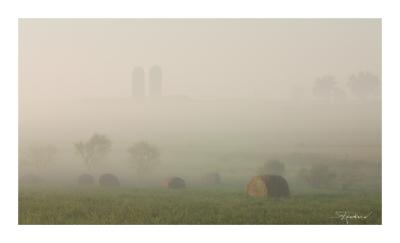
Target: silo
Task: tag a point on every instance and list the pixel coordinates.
(138, 85)
(155, 82)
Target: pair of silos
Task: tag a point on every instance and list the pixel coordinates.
(154, 82)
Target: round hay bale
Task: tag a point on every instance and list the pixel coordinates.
(109, 180)
(30, 179)
(85, 180)
(268, 186)
(211, 179)
(173, 183)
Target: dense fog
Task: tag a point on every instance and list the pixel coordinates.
(227, 96)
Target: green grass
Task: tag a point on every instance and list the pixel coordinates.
(190, 206)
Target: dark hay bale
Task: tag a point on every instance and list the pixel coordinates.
(85, 180)
(109, 180)
(211, 179)
(173, 183)
(268, 186)
(30, 179)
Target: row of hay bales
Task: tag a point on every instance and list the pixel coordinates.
(258, 186)
(110, 180)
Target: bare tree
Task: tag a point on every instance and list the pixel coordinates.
(93, 150)
(365, 85)
(327, 88)
(144, 156)
(318, 176)
(40, 156)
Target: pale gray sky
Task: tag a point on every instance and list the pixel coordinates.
(238, 58)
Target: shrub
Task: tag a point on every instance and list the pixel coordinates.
(273, 167)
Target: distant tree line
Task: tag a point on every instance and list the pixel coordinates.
(38, 156)
(144, 156)
(345, 175)
(363, 85)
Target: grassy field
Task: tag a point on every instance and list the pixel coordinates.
(192, 206)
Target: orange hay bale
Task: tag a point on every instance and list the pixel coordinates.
(268, 186)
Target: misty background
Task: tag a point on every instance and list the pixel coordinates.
(235, 92)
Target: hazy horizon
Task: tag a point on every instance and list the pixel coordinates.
(230, 87)
(72, 59)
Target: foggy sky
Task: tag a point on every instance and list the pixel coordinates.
(75, 80)
(213, 58)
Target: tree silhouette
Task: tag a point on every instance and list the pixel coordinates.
(144, 156)
(318, 176)
(365, 85)
(273, 167)
(41, 156)
(93, 150)
(326, 88)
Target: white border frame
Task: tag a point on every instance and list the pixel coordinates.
(12, 10)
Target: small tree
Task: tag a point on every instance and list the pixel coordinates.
(93, 150)
(365, 85)
(327, 88)
(144, 156)
(273, 167)
(40, 156)
(318, 176)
